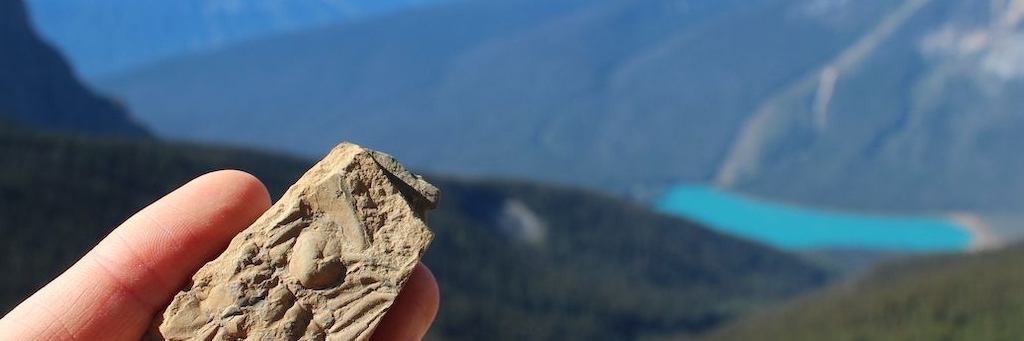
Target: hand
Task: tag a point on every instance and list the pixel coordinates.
(116, 289)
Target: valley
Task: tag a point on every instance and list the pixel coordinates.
(611, 169)
(598, 268)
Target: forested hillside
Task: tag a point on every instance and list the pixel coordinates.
(514, 260)
(957, 298)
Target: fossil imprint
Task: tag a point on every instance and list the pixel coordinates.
(324, 263)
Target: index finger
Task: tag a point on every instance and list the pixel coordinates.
(114, 291)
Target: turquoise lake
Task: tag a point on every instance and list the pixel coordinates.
(796, 228)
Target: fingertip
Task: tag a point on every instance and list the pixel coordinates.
(138, 267)
(174, 236)
(425, 285)
(414, 309)
(243, 186)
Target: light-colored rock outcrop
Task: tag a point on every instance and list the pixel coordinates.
(324, 263)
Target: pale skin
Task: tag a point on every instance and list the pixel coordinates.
(117, 288)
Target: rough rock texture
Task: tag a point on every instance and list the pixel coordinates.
(324, 263)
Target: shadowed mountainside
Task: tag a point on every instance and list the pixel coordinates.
(38, 88)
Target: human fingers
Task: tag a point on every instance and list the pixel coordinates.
(114, 291)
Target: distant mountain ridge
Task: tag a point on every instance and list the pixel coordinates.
(897, 105)
(565, 85)
(108, 37)
(37, 88)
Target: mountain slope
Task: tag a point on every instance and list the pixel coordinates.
(108, 37)
(37, 88)
(976, 298)
(900, 105)
(924, 116)
(580, 86)
(514, 260)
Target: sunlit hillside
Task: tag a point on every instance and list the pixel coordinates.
(971, 298)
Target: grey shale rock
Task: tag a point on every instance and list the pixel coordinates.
(324, 263)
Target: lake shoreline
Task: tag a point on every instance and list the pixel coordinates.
(983, 236)
(796, 227)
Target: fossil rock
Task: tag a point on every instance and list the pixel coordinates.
(324, 263)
